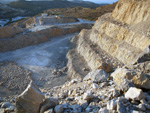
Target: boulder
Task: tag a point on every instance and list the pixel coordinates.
(96, 76)
(134, 94)
(30, 100)
(137, 78)
(47, 104)
(58, 109)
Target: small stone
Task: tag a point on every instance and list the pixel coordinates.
(103, 110)
(135, 102)
(84, 104)
(74, 92)
(120, 107)
(135, 94)
(143, 101)
(76, 108)
(78, 98)
(49, 111)
(10, 108)
(141, 107)
(48, 103)
(64, 95)
(69, 98)
(88, 95)
(103, 84)
(94, 86)
(96, 76)
(88, 109)
(112, 104)
(147, 106)
(116, 93)
(81, 101)
(6, 105)
(69, 92)
(106, 67)
(58, 109)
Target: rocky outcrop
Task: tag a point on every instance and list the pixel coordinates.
(127, 11)
(116, 37)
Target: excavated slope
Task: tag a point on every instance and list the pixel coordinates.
(116, 38)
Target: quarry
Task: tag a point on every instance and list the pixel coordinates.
(58, 64)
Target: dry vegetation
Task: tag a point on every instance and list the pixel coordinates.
(84, 13)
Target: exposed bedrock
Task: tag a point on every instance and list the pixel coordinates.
(118, 38)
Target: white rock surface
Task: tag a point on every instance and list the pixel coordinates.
(135, 94)
(112, 104)
(96, 76)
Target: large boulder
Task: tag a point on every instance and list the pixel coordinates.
(30, 100)
(96, 76)
(137, 78)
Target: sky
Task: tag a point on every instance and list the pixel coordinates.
(95, 1)
(102, 1)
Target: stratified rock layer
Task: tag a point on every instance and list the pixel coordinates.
(117, 38)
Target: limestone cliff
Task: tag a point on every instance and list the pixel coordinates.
(117, 38)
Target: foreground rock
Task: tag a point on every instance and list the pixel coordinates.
(30, 100)
(137, 78)
(135, 94)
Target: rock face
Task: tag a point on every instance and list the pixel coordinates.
(30, 100)
(126, 11)
(137, 78)
(117, 38)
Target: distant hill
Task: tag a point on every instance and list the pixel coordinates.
(9, 12)
(36, 7)
(84, 13)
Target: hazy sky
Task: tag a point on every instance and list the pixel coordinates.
(102, 1)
